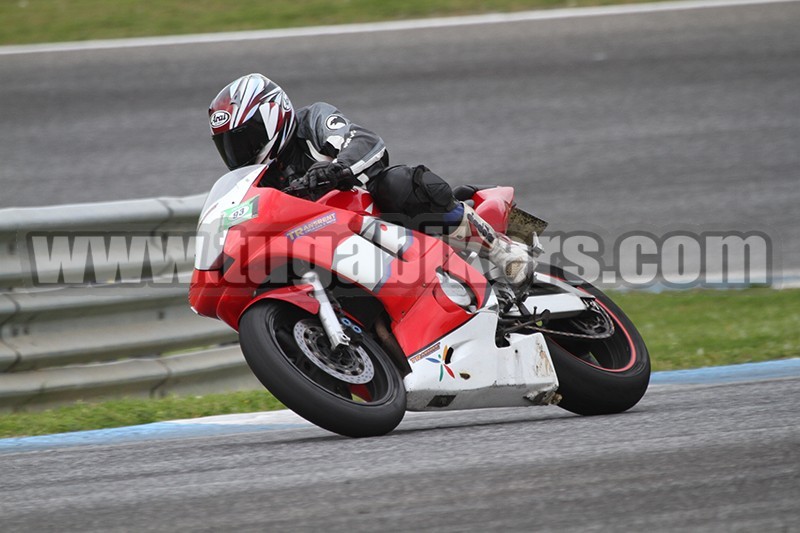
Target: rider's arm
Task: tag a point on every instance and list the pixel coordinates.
(333, 136)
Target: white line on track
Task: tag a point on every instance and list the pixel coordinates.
(344, 29)
(288, 421)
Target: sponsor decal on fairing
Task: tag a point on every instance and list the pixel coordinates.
(424, 353)
(443, 359)
(311, 227)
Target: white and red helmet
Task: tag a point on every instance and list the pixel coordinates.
(251, 121)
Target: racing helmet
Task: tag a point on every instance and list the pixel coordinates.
(251, 121)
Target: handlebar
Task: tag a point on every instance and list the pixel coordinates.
(299, 187)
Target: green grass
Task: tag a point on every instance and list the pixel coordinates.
(36, 21)
(682, 330)
(709, 328)
(133, 411)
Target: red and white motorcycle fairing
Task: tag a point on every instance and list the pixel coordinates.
(454, 360)
(350, 320)
(465, 369)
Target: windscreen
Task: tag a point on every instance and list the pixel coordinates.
(229, 191)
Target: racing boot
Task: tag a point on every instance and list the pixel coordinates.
(474, 234)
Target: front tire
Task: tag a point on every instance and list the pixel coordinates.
(605, 376)
(357, 392)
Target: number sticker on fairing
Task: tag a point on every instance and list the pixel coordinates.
(240, 213)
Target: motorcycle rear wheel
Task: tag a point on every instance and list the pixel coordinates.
(604, 376)
(355, 392)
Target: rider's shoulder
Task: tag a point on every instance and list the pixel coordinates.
(322, 107)
(317, 112)
(319, 120)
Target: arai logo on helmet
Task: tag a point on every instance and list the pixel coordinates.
(219, 119)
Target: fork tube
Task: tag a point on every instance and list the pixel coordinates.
(330, 322)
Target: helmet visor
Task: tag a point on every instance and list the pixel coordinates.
(240, 146)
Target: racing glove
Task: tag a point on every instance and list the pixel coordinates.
(330, 174)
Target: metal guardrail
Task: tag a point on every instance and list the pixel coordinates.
(127, 329)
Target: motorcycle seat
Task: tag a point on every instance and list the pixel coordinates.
(465, 192)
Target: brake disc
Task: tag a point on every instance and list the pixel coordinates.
(350, 364)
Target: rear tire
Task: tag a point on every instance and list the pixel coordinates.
(599, 377)
(357, 393)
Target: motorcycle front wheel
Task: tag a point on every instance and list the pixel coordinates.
(598, 376)
(355, 391)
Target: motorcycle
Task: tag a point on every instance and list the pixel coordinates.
(350, 320)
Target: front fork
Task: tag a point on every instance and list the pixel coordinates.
(330, 322)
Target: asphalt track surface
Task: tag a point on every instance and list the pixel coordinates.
(705, 457)
(684, 119)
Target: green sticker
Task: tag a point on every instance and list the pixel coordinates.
(240, 213)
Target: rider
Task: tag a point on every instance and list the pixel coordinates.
(253, 122)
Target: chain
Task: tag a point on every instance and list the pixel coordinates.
(558, 333)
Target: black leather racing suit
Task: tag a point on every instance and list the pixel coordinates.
(412, 196)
